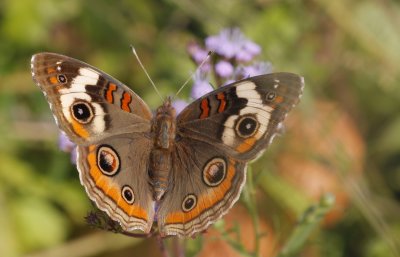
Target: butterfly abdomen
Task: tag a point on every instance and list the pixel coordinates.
(163, 130)
(160, 163)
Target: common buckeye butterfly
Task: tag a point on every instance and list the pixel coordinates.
(181, 172)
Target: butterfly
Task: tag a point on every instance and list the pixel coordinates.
(181, 172)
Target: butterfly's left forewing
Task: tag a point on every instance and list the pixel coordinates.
(242, 118)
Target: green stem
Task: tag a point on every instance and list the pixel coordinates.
(308, 222)
(251, 205)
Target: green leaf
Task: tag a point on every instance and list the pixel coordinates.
(38, 223)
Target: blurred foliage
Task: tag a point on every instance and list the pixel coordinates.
(344, 137)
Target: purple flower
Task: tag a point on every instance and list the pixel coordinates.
(197, 53)
(224, 69)
(200, 88)
(67, 146)
(201, 85)
(231, 43)
(179, 105)
(257, 68)
(64, 143)
(229, 81)
(74, 155)
(249, 50)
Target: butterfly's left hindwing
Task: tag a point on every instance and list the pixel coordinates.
(206, 182)
(88, 104)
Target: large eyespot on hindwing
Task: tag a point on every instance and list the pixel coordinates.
(127, 194)
(82, 111)
(189, 203)
(214, 172)
(108, 160)
(246, 126)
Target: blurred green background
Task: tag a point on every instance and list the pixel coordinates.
(343, 138)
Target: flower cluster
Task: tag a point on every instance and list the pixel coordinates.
(67, 146)
(232, 60)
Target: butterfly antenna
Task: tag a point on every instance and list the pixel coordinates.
(145, 71)
(191, 75)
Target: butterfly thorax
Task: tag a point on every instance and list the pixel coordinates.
(163, 127)
(163, 131)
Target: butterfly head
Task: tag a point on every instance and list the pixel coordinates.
(166, 109)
